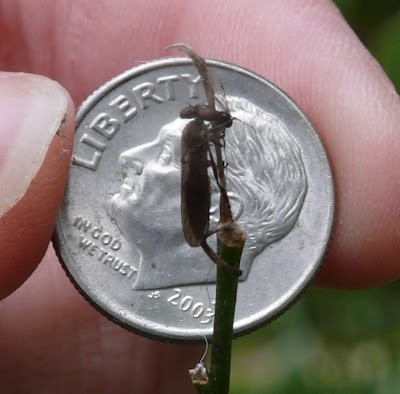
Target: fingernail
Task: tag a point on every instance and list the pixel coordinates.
(32, 108)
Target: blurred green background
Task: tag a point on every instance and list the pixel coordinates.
(334, 341)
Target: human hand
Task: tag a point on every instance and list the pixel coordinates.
(305, 47)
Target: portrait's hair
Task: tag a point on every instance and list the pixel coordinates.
(265, 168)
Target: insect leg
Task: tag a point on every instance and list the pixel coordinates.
(217, 260)
(214, 169)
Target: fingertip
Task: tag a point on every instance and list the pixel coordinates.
(36, 136)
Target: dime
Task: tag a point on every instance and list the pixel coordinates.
(119, 232)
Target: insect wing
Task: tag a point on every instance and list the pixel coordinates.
(221, 102)
(195, 188)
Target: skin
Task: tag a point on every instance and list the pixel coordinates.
(50, 339)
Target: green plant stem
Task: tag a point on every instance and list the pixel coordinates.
(229, 247)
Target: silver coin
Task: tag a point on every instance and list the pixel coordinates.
(119, 231)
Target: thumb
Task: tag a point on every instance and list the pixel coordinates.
(36, 134)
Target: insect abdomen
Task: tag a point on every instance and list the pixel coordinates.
(196, 195)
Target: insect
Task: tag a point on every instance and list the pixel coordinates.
(206, 129)
(195, 189)
(196, 157)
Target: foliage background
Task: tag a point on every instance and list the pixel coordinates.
(334, 341)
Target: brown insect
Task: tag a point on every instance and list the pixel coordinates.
(207, 128)
(196, 157)
(195, 182)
